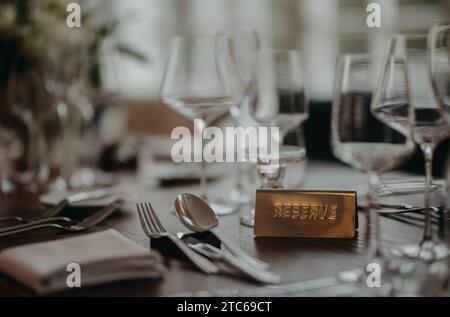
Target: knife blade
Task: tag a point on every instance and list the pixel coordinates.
(101, 215)
(53, 211)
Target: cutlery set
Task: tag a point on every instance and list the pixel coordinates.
(195, 214)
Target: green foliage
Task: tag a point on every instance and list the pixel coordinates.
(31, 29)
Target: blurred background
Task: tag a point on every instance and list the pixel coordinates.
(128, 45)
(322, 29)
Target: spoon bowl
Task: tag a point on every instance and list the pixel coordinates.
(195, 213)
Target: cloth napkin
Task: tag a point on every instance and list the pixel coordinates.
(103, 257)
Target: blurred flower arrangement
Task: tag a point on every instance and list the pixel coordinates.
(29, 29)
(35, 35)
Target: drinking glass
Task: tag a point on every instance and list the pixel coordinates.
(245, 45)
(439, 53)
(280, 103)
(64, 67)
(11, 150)
(429, 126)
(201, 82)
(281, 99)
(361, 140)
(28, 100)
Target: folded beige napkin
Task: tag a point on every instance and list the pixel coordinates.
(102, 257)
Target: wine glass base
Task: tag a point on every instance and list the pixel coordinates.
(238, 197)
(428, 251)
(222, 208)
(7, 187)
(59, 185)
(248, 219)
(398, 277)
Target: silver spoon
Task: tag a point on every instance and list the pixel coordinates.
(196, 215)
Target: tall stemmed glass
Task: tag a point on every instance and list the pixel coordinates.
(429, 126)
(359, 139)
(28, 100)
(245, 45)
(439, 51)
(64, 67)
(202, 83)
(281, 103)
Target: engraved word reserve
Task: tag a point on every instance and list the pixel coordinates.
(305, 212)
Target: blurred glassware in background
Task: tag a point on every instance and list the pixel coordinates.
(280, 102)
(439, 53)
(364, 142)
(11, 150)
(35, 35)
(64, 69)
(202, 82)
(245, 45)
(281, 99)
(410, 52)
(27, 99)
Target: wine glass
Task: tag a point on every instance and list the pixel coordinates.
(201, 82)
(28, 100)
(280, 103)
(245, 45)
(281, 99)
(429, 126)
(361, 140)
(439, 53)
(11, 150)
(64, 66)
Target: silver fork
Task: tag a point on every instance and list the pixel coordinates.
(82, 225)
(26, 225)
(155, 230)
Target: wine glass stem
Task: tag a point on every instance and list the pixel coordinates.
(428, 151)
(374, 218)
(38, 149)
(203, 173)
(240, 170)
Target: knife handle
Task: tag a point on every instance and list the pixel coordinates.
(200, 262)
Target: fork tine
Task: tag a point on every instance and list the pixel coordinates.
(144, 223)
(147, 215)
(155, 217)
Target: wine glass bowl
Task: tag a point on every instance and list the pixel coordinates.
(439, 56)
(281, 99)
(200, 81)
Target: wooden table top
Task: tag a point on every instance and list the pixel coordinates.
(294, 259)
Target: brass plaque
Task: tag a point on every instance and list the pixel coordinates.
(305, 214)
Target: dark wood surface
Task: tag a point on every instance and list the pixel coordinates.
(293, 259)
